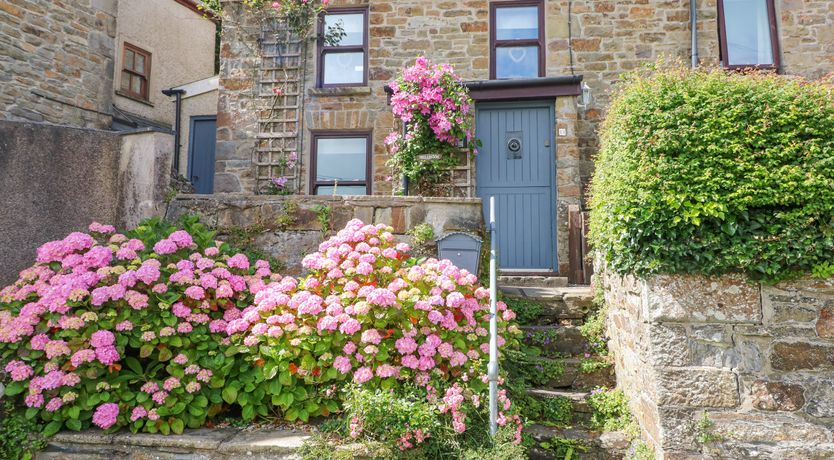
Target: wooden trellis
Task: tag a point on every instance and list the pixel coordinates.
(280, 115)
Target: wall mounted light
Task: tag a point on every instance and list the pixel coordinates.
(585, 97)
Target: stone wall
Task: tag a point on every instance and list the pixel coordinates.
(56, 61)
(754, 359)
(288, 227)
(56, 180)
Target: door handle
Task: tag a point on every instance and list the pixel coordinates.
(194, 178)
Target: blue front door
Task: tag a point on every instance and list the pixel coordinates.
(516, 165)
(201, 153)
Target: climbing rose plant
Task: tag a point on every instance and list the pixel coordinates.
(300, 15)
(127, 330)
(436, 109)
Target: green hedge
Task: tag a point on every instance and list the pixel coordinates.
(712, 172)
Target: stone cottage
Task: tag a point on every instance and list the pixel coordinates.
(85, 130)
(540, 72)
(104, 64)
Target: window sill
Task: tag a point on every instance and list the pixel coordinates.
(133, 98)
(761, 67)
(340, 91)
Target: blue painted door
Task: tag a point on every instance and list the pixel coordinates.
(201, 143)
(516, 164)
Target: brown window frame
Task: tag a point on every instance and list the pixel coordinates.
(494, 43)
(774, 39)
(340, 134)
(144, 94)
(323, 49)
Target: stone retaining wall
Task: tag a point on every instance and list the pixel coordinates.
(755, 360)
(288, 227)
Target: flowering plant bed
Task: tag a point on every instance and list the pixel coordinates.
(435, 106)
(161, 329)
(127, 330)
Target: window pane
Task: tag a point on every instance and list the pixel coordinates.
(125, 85)
(517, 23)
(341, 159)
(344, 68)
(343, 190)
(748, 32)
(517, 62)
(139, 65)
(128, 59)
(136, 84)
(345, 29)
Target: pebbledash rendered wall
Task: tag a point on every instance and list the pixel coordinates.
(57, 179)
(755, 360)
(288, 227)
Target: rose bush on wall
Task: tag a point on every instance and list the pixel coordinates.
(434, 105)
(160, 329)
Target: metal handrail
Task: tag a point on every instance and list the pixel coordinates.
(492, 367)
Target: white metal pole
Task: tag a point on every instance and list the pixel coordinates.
(492, 369)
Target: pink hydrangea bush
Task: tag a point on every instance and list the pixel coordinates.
(435, 106)
(370, 315)
(113, 330)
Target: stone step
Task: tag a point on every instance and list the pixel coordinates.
(510, 280)
(556, 340)
(574, 379)
(567, 303)
(577, 398)
(203, 444)
(592, 445)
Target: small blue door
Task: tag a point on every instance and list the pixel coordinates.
(517, 165)
(201, 143)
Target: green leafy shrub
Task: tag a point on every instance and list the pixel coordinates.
(708, 172)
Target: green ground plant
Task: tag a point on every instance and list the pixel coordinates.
(527, 311)
(610, 410)
(422, 234)
(20, 436)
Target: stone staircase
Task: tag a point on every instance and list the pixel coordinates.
(555, 337)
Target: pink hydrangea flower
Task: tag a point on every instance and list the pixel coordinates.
(166, 246)
(106, 415)
(102, 338)
(342, 364)
(362, 375)
(238, 261)
(138, 412)
(54, 404)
